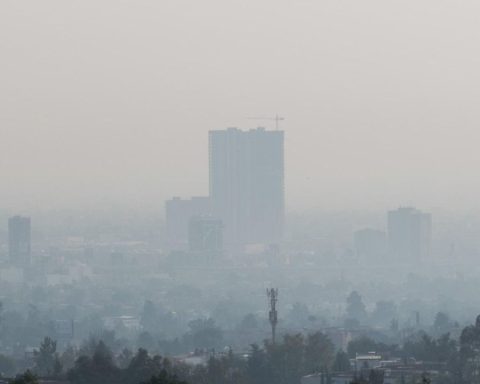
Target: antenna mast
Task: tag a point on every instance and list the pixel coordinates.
(272, 294)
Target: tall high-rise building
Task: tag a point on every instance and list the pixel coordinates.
(409, 234)
(19, 243)
(246, 184)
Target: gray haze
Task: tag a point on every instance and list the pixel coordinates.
(110, 102)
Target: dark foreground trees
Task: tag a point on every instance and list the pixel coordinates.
(164, 378)
(47, 362)
(27, 378)
(101, 369)
(285, 362)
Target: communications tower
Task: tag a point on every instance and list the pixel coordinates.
(272, 294)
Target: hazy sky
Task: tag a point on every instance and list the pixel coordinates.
(110, 101)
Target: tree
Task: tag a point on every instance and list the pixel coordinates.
(146, 341)
(294, 347)
(142, 367)
(446, 348)
(355, 307)
(361, 345)
(286, 359)
(384, 312)
(27, 378)
(318, 352)
(342, 362)
(426, 348)
(46, 356)
(7, 366)
(470, 340)
(205, 334)
(164, 378)
(442, 322)
(88, 347)
(68, 358)
(257, 368)
(426, 379)
(98, 369)
(376, 376)
(57, 366)
(198, 375)
(216, 371)
(123, 360)
(149, 318)
(469, 357)
(359, 380)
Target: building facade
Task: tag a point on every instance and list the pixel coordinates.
(19, 240)
(370, 245)
(205, 237)
(246, 183)
(178, 213)
(409, 234)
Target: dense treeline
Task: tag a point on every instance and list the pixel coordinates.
(162, 378)
(284, 362)
(295, 355)
(100, 368)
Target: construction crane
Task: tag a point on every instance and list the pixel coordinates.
(277, 119)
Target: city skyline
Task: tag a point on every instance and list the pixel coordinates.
(246, 191)
(367, 114)
(239, 192)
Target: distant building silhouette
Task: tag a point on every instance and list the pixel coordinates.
(179, 212)
(246, 171)
(205, 237)
(370, 244)
(19, 240)
(409, 234)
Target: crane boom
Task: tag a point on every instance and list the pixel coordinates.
(277, 119)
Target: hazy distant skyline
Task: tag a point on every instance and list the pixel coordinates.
(110, 102)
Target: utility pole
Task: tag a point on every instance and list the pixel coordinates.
(272, 294)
